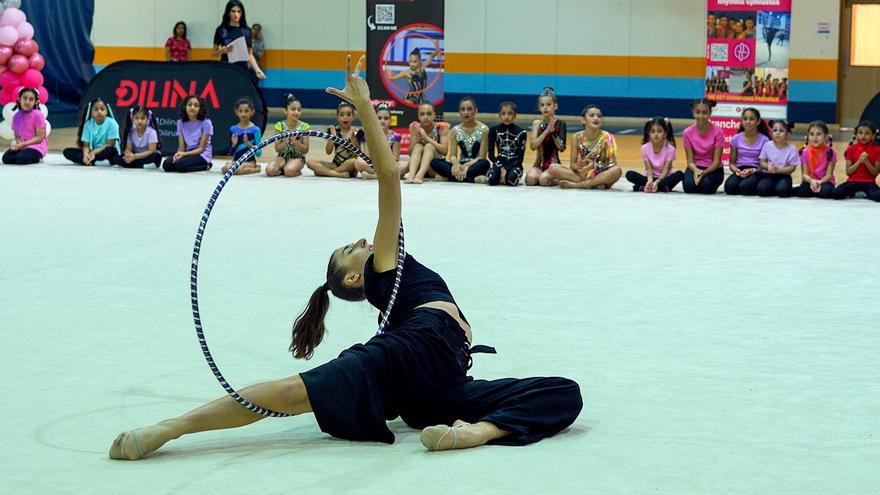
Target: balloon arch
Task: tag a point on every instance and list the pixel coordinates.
(21, 64)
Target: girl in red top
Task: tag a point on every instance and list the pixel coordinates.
(862, 164)
(177, 47)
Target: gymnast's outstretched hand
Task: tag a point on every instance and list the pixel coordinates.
(356, 90)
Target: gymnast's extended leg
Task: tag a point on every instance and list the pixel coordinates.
(287, 395)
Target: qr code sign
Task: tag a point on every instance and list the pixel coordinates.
(718, 52)
(384, 14)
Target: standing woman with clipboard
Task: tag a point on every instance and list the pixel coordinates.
(233, 42)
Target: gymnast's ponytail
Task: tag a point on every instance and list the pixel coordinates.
(308, 329)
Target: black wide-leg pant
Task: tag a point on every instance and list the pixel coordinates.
(418, 371)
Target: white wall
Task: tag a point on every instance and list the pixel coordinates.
(609, 27)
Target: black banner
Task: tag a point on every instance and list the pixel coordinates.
(162, 87)
(405, 51)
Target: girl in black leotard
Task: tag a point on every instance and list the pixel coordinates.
(507, 147)
(468, 146)
(417, 369)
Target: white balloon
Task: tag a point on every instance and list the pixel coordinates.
(44, 110)
(6, 130)
(8, 111)
(48, 128)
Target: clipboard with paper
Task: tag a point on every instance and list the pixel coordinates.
(239, 52)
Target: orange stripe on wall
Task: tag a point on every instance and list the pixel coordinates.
(309, 59)
(105, 55)
(576, 65)
(278, 59)
(800, 69)
(496, 63)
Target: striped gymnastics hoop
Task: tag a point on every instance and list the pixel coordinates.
(197, 247)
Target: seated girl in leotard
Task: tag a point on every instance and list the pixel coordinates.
(291, 151)
(383, 113)
(428, 139)
(548, 138)
(344, 163)
(593, 158)
(469, 145)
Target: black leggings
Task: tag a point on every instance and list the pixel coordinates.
(186, 164)
(804, 191)
(76, 155)
(444, 169)
(746, 187)
(709, 184)
(24, 156)
(775, 185)
(513, 172)
(638, 181)
(155, 158)
(849, 189)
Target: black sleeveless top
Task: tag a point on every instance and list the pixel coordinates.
(418, 285)
(418, 82)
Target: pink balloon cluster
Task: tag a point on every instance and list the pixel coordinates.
(20, 60)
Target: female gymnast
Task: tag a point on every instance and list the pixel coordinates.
(417, 369)
(416, 74)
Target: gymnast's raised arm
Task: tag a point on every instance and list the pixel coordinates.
(357, 92)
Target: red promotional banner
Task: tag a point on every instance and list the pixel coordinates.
(747, 53)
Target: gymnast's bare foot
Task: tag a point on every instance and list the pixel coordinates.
(461, 435)
(136, 444)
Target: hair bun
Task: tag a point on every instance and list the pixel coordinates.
(547, 91)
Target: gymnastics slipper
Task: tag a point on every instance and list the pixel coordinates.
(122, 447)
(438, 437)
